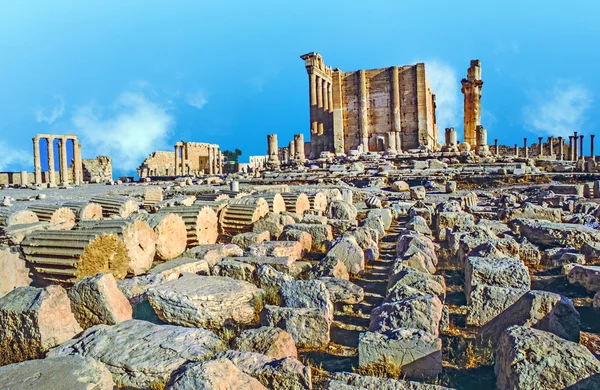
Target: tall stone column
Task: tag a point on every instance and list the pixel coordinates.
(561, 148)
(516, 151)
(496, 150)
(471, 88)
(37, 163)
(313, 103)
(51, 178)
(64, 170)
(396, 109)
(77, 163)
(541, 147)
(592, 147)
(176, 173)
(551, 145)
(362, 114)
(482, 146)
(299, 147)
(273, 150)
(216, 159)
(325, 95)
(220, 162)
(525, 150)
(320, 125)
(575, 151)
(330, 96)
(581, 147)
(570, 150)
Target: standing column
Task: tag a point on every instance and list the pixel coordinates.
(561, 148)
(363, 119)
(220, 162)
(496, 147)
(37, 163)
(299, 146)
(330, 96)
(176, 160)
(575, 151)
(541, 151)
(320, 125)
(215, 159)
(396, 122)
(551, 145)
(516, 151)
(313, 103)
(525, 150)
(471, 88)
(51, 178)
(76, 162)
(64, 174)
(272, 149)
(210, 160)
(570, 151)
(325, 95)
(592, 157)
(581, 147)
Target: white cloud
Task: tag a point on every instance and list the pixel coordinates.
(57, 111)
(10, 156)
(133, 128)
(197, 99)
(444, 84)
(558, 111)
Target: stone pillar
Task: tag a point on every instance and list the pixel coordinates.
(396, 104)
(570, 150)
(391, 142)
(77, 163)
(471, 88)
(313, 103)
(581, 147)
(398, 142)
(320, 125)
(234, 186)
(216, 159)
(273, 150)
(299, 146)
(325, 96)
(362, 114)
(24, 178)
(51, 178)
(496, 150)
(541, 147)
(210, 160)
(592, 147)
(561, 148)
(551, 145)
(482, 146)
(525, 150)
(37, 163)
(176, 173)
(575, 152)
(64, 170)
(292, 151)
(516, 151)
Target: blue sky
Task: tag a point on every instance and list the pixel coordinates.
(131, 77)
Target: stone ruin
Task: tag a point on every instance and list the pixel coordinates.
(466, 265)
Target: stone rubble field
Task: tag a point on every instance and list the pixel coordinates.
(356, 276)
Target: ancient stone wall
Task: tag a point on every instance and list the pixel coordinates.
(158, 164)
(97, 170)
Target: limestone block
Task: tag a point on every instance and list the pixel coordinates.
(291, 249)
(270, 341)
(311, 294)
(304, 238)
(213, 375)
(65, 373)
(309, 327)
(486, 302)
(340, 209)
(173, 269)
(586, 276)
(424, 285)
(330, 267)
(142, 355)
(276, 374)
(415, 353)
(400, 273)
(343, 291)
(529, 359)
(420, 312)
(321, 234)
(347, 250)
(13, 272)
(33, 321)
(418, 193)
(206, 301)
(400, 186)
(235, 269)
(244, 240)
(506, 272)
(542, 310)
(97, 300)
(418, 224)
(385, 214)
(551, 234)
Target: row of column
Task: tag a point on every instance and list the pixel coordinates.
(573, 152)
(295, 150)
(321, 100)
(63, 160)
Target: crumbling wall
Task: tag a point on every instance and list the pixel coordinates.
(97, 170)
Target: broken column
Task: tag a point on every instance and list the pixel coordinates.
(561, 147)
(541, 147)
(116, 206)
(482, 146)
(292, 150)
(273, 150)
(61, 217)
(362, 113)
(471, 88)
(592, 147)
(525, 150)
(37, 164)
(238, 218)
(177, 160)
(200, 223)
(496, 150)
(299, 146)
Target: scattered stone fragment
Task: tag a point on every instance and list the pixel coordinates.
(269, 341)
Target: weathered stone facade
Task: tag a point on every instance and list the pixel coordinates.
(471, 88)
(188, 158)
(386, 109)
(97, 170)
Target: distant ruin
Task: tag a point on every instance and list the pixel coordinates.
(188, 158)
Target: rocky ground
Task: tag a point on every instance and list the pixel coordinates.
(304, 279)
